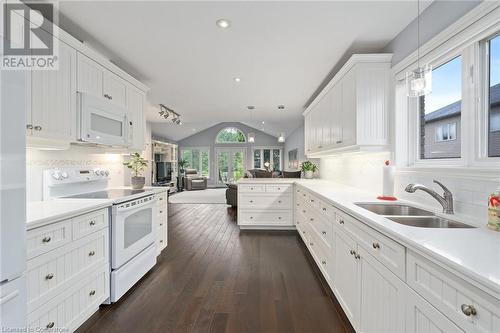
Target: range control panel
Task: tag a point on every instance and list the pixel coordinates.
(63, 176)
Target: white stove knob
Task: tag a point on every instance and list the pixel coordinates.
(102, 173)
(106, 173)
(64, 175)
(56, 175)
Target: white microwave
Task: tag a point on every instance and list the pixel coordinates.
(101, 122)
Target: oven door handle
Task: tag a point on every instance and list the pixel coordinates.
(120, 210)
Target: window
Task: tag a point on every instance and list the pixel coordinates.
(440, 112)
(261, 156)
(446, 132)
(197, 158)
(494, 97)
(230, 135)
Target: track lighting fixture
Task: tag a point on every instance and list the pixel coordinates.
(166, 112)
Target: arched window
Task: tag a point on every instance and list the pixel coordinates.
(230, 135)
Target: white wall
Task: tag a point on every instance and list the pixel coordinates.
(76, 156)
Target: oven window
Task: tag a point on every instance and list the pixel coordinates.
(105, 125)
(137, 226)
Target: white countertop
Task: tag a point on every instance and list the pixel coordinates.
(40, 213)
(473, 253)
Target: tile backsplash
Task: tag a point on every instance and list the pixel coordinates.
(77, 156)
(364, 171)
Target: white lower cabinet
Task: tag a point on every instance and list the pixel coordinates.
(422, 317)
(380, 284)
(162, 222)
(67, 271)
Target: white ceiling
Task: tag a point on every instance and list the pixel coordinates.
(282, 51)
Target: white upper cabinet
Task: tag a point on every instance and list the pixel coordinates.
(96, 80)
(52, 116)
(135, 117)
(352, 112)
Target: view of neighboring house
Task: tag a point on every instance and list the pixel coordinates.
(442, 127)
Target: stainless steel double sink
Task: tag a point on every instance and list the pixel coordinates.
(411, 216)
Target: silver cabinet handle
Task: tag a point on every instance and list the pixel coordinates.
(251, 188)
(376, 245)
(311, 243)
(279, 201)
(161, 240)
(298, 204)
(50, 325)
(352, 252)
(323, 232)
(49, 276)
(469, 310)
(91, 253)
(311, 219)
(92, 293)
(298, 222)
(312, 200)
(161, 212)
(279, 188)
(46, 239)
(357, 256)
(341, 221)
(251, 217)
(339, 141)
(92, 222)
(38, 128)
(324, 209)
(161, 198)
(251, 201)
(303, 211)
(279, 217)
(29, 126)
(323, 262)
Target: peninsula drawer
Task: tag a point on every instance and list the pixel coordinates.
(70, 308)
(284, 188)
(86, 224)
(327, 210)
(266, 217)
(50, 273)
(247, 188)
(265, 202)
(44, 239)
(467, 306)
(325, 230)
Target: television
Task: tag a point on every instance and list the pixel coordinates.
(163, 172)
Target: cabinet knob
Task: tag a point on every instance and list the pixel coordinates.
(91, 253)
(352, 252)
(303, 211)
(469, 310)
(29, 126)
(50, 325)
(341, 221)
(279, 188)
(38, 128)
(339, 141)
(298, 222)
(251, 201)
(251, 217)
(311, 243)
(376, 245)
(323, 262)
(49, 276)
(298, 204)
(323, 232)
(279, 201)
(161, 212)
(46, 239)
(357, 256)
(311, 219)
(324, 209)
(92, 293)
(312, 200)
(320, 147)
(92, 222)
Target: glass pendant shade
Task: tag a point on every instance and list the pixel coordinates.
(281, 138)
(251, 137)
(419, 82)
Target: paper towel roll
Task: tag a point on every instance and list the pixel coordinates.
(388, 181)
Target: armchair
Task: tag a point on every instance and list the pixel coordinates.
(192, 181)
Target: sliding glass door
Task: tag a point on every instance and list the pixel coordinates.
(230, 164)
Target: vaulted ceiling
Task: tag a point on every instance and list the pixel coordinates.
(282, 51)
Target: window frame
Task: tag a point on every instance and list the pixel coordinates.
(448, 125)
(200, 149)
(270, 148)
(466, 37)
(230, 143)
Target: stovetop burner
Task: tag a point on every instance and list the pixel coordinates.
(108, 194)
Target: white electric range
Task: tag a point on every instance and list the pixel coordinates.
(133, 220)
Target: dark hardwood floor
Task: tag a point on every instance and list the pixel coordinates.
(214, 278)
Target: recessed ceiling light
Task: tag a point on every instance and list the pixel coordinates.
(263, 123)
(250, 107)
(223, 23)
(237, 79)
(281, 107)
(194, 129)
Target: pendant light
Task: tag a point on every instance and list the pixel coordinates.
(251, 135)
(419, 81)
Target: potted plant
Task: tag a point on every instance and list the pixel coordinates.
(137, 164)
(308, 168)
(182, 163)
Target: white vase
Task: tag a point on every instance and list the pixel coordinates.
(308, 174)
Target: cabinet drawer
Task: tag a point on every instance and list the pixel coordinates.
(161, 238)
(265, 202)
(284, 188)
(313, 200)
(161, 199)
(44, 239)
(50, 273)
(324, 229)
(89, 223)
(162, 210)
(390, 253)
(244, 188)
(70, 308)
(266, 217)
(327, 210)
(322, 257)
(449, 293)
